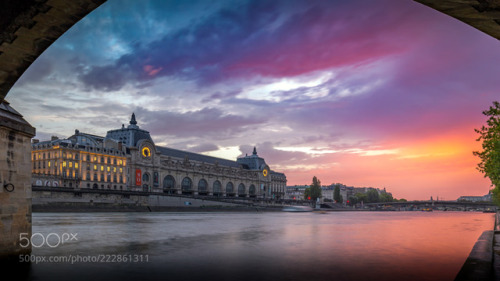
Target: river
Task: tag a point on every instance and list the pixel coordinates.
(253, 246)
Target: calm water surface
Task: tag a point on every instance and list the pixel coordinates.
(258, 246)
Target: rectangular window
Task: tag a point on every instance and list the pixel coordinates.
(108, 169)
(64, 164)
(76, 165)
(95, 167)
(102, 168)
(70, 164)
(114, 169)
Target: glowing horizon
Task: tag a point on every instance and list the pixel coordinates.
(365, 93)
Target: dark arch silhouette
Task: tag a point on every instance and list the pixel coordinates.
(23, 39)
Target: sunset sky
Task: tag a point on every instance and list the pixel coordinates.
(364, 93)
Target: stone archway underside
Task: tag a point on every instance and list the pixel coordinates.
(480, 14)
(28, 27)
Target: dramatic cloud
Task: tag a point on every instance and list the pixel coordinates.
(368, 93)
(205, 123)
(204, 147)
(260, 38)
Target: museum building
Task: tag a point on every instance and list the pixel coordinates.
(128, 159)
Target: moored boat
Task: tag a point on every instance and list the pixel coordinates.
(297, 209)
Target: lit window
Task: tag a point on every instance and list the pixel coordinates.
(49, 164)
(76, 165)
(64, 164)
(71, 164)
(108, 169)
(114, 169)
(121, 170)
(102, 168)
(95, 167)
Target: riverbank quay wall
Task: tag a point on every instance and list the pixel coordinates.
(49, 199)
(483, 262)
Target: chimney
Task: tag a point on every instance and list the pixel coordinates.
(54, 138)
(35, 141)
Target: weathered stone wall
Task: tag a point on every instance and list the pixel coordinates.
(47, 198)
(15, 206)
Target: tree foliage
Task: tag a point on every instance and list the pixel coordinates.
(361, 197)
(372, 196)
(336, 194)
(313, 191)
(386, 197)
(489, 134)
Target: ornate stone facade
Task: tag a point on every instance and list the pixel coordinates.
(81, 161)
(128, 159)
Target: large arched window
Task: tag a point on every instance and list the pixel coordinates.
(217, 188)
(168, 183)
(187, 183)
(202, 186)
(251, 190)
(229, 188)
(241, 189)
(145, 178)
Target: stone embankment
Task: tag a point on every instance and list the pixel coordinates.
(70, 200)
(483, 262)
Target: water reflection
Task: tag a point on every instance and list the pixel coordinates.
(263, 246)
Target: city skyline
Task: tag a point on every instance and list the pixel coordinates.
(383, 94)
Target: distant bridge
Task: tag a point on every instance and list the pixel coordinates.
(434, 205)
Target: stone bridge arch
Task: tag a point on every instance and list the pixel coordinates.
(27, 28)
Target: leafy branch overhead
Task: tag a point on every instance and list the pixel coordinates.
(490, 156)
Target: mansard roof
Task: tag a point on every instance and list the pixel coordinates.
(254, 162)
(131, 135)
(198, 157)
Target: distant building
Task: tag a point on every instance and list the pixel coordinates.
(295, 192)
(484, 198)
(327, 192)
(128, 159)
